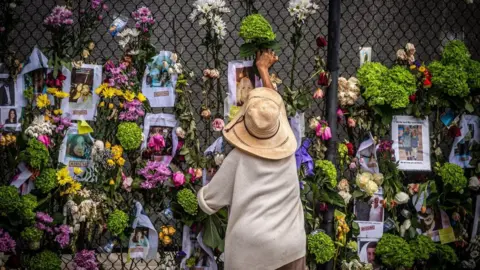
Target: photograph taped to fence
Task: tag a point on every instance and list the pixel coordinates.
(369, 215)
(161, 139)
(160, 79)
(7, 90)
(138, 244)
(411, 143)
(461, 148)
(366, 251)
(241, 80)
(76, 152)
(33, 75)
(10, 118)
(81, 83)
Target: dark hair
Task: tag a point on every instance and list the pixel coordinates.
(72, 142)
(10, 111)
(372, 245)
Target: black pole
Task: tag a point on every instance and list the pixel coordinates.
(333, 67)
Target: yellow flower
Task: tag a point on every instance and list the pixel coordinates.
(3, 141)
(161, 235)
(117, 151)
(77, 171)
(108, 145)
(412, 67)
(63, 177)
(165, 230)
(421, 69)
(47, 118)
(129, 96)
(121, 105)
(43, 101)
(74, 187)
(118, 92)
(121, 161)
(167, 240)
(91, 45)
(85, 53)
(101, 104)
(109, 92)
(141, 97)
(110, 106)
(111, 182)
(101, 88)
(52, 91)
(58, 112)
(171, 230)
(60, 94)
(110, 162)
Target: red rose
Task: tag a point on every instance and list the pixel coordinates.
(350, 148)
(323, 79)
(454, 131)
(427, 83)
(321, 42)
(412, 98)
(323, 207)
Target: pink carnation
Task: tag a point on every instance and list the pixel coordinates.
(178, 179)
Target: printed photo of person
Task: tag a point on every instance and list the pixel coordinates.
(12, 117)
(366, 251)
(370, 210)
(81, 89)
(159, 75)
(7, 91)
(36, 79)
(138, 245)
(79, 147)
(245, 82)
(159, 143)
(410, 142)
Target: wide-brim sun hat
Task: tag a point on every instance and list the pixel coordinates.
(261, 127)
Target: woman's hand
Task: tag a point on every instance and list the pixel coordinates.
(265, 59)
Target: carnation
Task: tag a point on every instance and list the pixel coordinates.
(187, 199)
(257, 33)
(452, 175)
(130, 135)
(321, 247)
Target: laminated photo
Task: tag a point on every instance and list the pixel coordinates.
(138, 244)
(11, 118)
(75, 152)
(432, 221)
(366, 251)
(143, 242)
(159, 81)
(81, 83)
(411, 143)
(370, 215)
(7, 90)
(365, 55)
(470, 133)
(241, 80)
(161, 140)
(367, 155)
(33, 75)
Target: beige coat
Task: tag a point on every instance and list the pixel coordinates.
(265, 226)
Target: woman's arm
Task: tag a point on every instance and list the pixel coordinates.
(265, 59)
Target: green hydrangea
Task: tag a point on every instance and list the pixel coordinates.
(446, 253)
(36, 154)
(383, 86)
(423, 246)
(452, 176)
(130, 135)
(342, 150)
(456, 53)
(9, 200)
(187, 199)
(45, 260)
(321, 246)
(47, 180)
(256, 27)
(328, 170)
(450, 79)
(473, 72)
(29, 203)
(394, 251)
(117, 222)
(32, 234)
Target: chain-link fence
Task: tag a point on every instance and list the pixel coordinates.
(383, 25)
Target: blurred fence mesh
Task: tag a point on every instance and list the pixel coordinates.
(384, 25)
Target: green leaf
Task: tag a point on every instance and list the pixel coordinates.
(469, 107)
(211, 237)
(357, 194)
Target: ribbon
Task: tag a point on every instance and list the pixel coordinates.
(302, 157)
(84, 127)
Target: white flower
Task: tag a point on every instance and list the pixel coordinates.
(345, 195)
(313, 123)
(208, 12)
(401, 198)
(363, 179)
(300, 9)
(474, 183)
(378, 178)
(219, 159)
(343, 185)
(39, 127)
(370, 188)
(174, 57)
(180, 132)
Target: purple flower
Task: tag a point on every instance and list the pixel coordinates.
(96, 3)
(63, 235)
(44, 217)
(7, 244)
(59, 17)
(85, 260)
(154, 173)
(143, 19)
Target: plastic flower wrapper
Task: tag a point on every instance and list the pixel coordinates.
(130, 135)
(46, 181)
(258, 35)
(423, 246)
(45, 260)
(328, 171)
(187, 199)
(452, 176)
(394, 251)
(117, 222)
(320, 246)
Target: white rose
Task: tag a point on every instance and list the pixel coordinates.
(378, 179)
(345, 195)
(313, 123)
(401, 198)
(473, 183)
(363, 178)
(370, 188)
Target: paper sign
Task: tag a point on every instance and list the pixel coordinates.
(446, 235)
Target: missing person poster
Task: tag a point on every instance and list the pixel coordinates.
(75, 152)
(33, 75)
(159, 81)
(370, 216)
(241, 80)
(161, 139)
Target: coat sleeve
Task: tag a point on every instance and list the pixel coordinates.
(218, 193)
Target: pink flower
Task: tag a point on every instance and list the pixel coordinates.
(340, 113)
(351, 122)
(178, 179)
(45, 140)
(318, 94)
(127, 183)
(323, 131)
(352, 166)
(218, 124)
(192, 172)
(157, 142)
(327, 134)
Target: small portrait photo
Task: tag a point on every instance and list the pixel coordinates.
(366, 251)
(10, 116)
(245, 82)
(410, 142)
(159, 75)
(432, 221)
(370, 210)
(159, 141)
(81, 89)
(7, 90)
(138, 244)
(37, 80)
(365, 55)
(79, 147)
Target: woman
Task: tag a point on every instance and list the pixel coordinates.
(12, 117)
(258, 181)
(244, 87)
(78, 147)
(414, 142)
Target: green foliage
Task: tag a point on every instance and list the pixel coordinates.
(257, 33)
(11, 203)
(450, 79)
(32, 234)
(473, 72)
(46, 181)
(452, 176)
(394, 251)
(29, 203)
(423, 246)
(383, 86)
(446, 253)
(45, 260)
(327, 170)
(130, 135)
(321, 246)
(117, 222)
(187, 199)
(36, 154)
(455, 53)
